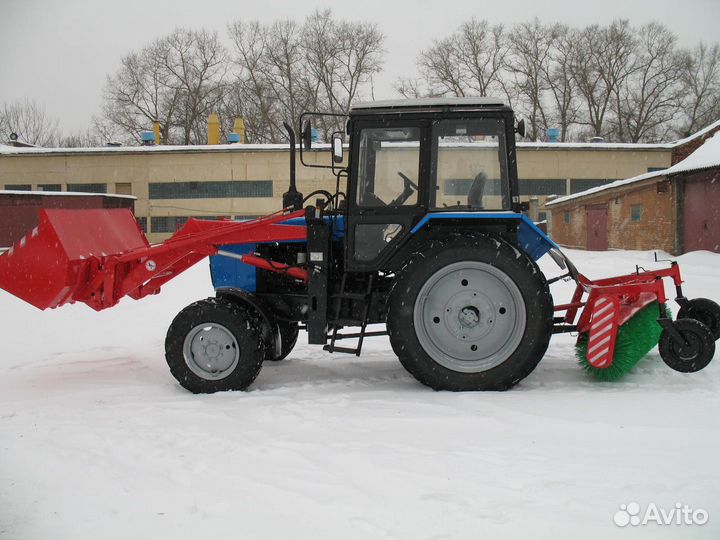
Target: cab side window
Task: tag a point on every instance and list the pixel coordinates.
(388, 167)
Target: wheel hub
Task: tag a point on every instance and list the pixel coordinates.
(469, 316)
(211, 351)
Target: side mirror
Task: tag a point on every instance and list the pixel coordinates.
(306, 135)
(337, 148)
(520, 129)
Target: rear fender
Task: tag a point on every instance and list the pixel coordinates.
(531, 239)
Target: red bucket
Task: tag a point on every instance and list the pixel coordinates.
(52, 263)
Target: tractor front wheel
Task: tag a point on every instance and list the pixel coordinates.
(215, 345)
(470, 313)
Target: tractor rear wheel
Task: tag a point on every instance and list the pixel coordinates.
(470, 313)
(215, 345)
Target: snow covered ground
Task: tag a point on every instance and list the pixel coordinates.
(98, 441)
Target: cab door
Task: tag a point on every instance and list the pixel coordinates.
(387, 178)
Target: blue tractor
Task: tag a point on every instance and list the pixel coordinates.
(424, 234)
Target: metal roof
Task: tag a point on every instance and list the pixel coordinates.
(430, 102)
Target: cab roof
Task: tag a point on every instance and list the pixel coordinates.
(435, 102)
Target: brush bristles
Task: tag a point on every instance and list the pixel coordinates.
(635, 339)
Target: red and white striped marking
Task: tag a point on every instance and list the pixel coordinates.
(603, 331)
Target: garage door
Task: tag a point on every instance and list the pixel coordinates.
(597, 233)
(701, 213)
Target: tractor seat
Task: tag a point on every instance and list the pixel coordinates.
(475, 195)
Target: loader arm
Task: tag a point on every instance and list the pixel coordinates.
(63, 260)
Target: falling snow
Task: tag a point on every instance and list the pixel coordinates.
(97, 438)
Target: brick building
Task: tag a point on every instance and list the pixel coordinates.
(676, 209)
(20, 210)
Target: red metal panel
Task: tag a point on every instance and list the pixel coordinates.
(701, 212)
(597, 231)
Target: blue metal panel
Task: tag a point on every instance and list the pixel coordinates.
(530, 238)
(227, 272)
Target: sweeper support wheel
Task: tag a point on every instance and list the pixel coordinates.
(215, 345)
(687, 345)
(704, 310)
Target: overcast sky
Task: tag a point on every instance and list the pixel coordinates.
(60, 52)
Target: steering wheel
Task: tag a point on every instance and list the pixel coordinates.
(408, 182)
(410, 188)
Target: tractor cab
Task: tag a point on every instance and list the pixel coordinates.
(411, 158)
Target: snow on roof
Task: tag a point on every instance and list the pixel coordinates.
(64, 193)
(708, 155)
(142, 149)
(697, 134)
(429, 102)
(705, 157)
(10, 150)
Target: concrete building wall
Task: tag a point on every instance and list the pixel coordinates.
(132, 170)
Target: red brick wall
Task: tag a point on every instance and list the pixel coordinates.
(655, 230)
(20, 213)
(657, 226)
(681, 152)
(571, 234)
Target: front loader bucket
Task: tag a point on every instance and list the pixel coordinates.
(51, 265)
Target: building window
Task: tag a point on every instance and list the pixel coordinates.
(167, 224)
(50, 187)
(542, 216)
(654, 169)
(543, 187)
(211, 190)
(636, 212)
(460, 187)
(142, 221)
(18, 187)
(88, 188)
(582, 184)
(123, 188)
(566, 217)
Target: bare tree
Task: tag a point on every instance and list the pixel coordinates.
(529, 62)
(196, 64)
(283, 69)
(81, 139)
(176, 80)
(601, 63)
(29, 121)
(341, 56)
(648, 99)
(468, 62)
(700, 75)
(562, 87)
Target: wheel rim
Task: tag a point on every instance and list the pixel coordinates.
(689, 352)
(211, 351)
(469, 317)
